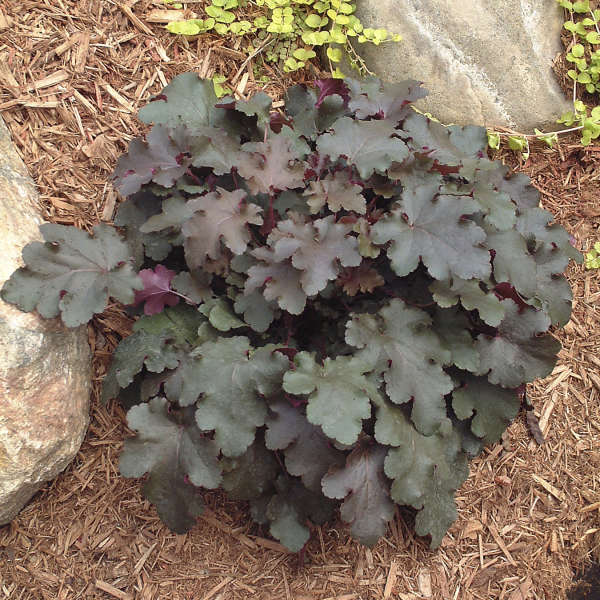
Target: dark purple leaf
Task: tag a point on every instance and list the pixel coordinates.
(328, 87)
(157, 290)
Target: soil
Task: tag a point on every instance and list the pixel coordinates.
(72, 75)
(587, 587)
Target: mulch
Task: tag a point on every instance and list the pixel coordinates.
(73, 74)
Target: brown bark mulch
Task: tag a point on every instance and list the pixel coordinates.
(72, 75)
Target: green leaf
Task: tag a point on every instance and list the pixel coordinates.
(367, 506)
(316, 249)
(257, 310)
(313, 20)
(390, 423)
(250, 475)
(220, 215)
(234, 380)
(179, 323)
(287, 511)
(156, 343)
(214, 148)
(493, 140)
(73, 274)
(190, 27)
(303, 54)
(259, 106)
(368, 145)
(291, 64)
(334, 54)
(281, 281)
(271, 165)
(187, 99)
(553, 292)
(220, 314)
(308, 118)
(175, 211)
(452, 326)
(569, 26)
(582, 6)
(169, 446)
(521, 351)
(584, 78)
(338, 393)
(133, 214)
(450, 146)
(392, 100)
(472, 297)
(548, 138)
(337, 192)
(536, 226)
(308, 453)
(497, 206)
(132, 354)
(425, 226)
(496, 176)
(491, 407)
(426, 471)
(512, 261)
(410, 355)
(222, 16)
(517, 143)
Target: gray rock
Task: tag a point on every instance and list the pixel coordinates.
(485, 62)
(45, 373)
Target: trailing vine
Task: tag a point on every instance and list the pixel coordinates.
(289, 33)
(584, 24)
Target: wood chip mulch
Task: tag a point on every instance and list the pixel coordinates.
(72, 75)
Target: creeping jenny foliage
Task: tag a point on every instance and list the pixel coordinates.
(287, 32)
(338, 303)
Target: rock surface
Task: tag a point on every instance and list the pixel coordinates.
(44, 367)
(485, 62)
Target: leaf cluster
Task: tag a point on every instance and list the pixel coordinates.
(288, 31)
(592, 258)
(341, 303)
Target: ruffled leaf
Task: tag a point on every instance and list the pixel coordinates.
(308, 452)
(410, 355)
(73, 274)
(367, 506)
(426, 471)
(170, 448)
(521, 351)
(338, 393)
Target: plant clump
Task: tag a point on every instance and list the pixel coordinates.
(341, 303)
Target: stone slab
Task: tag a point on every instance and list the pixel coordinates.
(484, 62)
(45, 368)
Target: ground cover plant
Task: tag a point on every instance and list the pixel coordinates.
(289, 33)
(341, 303)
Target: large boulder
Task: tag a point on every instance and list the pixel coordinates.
(487, 62)
(45, 372)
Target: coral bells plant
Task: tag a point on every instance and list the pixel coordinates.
(341, 301)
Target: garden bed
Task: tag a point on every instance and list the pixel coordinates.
(72, 76)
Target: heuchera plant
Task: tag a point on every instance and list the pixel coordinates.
(341, 302)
